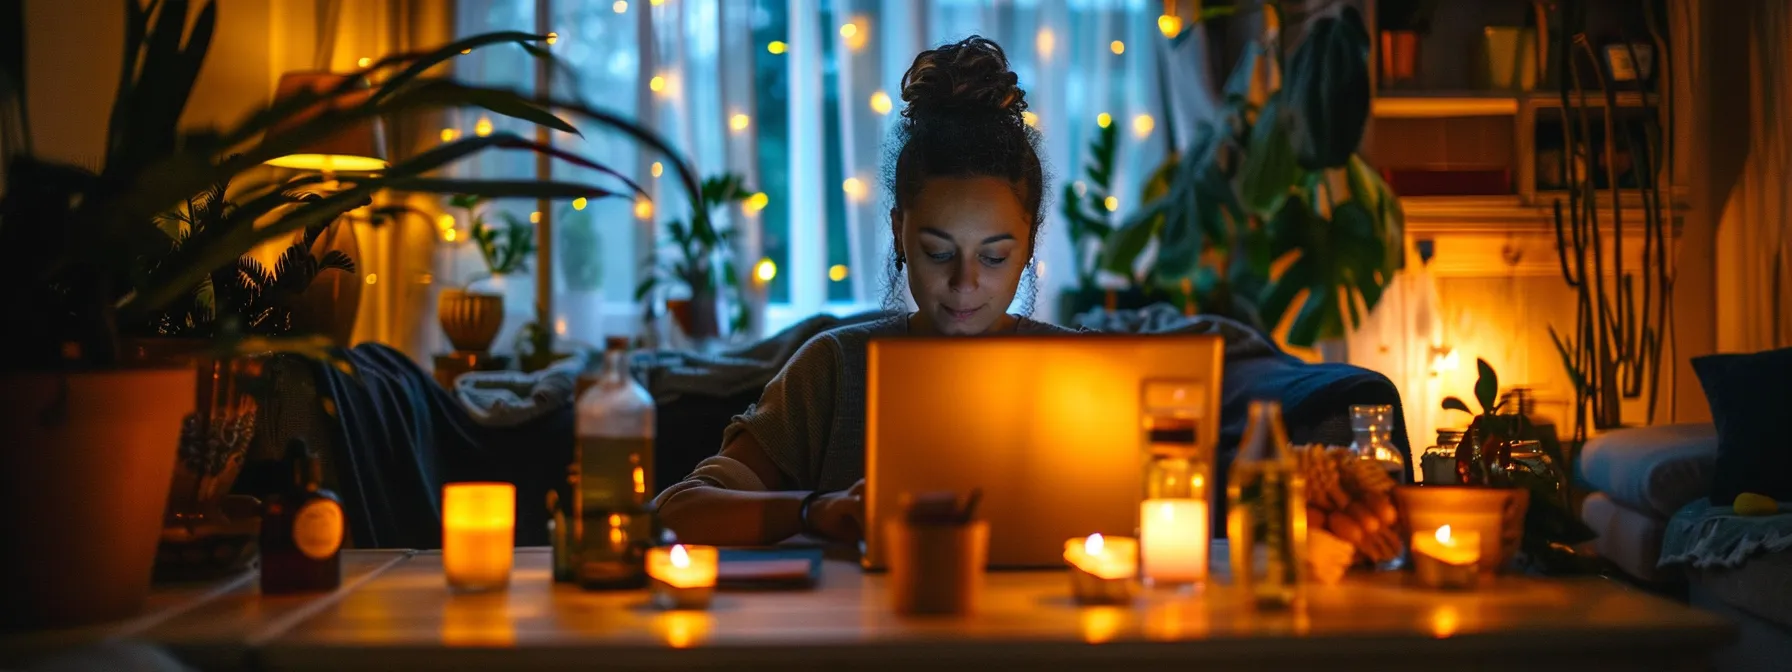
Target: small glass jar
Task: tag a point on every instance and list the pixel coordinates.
(1175, 523)
(1373, 426)
(1437, 466)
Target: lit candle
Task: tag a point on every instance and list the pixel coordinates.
(1445, 558)
(478, 534)
(684, 577)
(1175, 540)
(1102, 569)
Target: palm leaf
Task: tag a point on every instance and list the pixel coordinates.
(336, 259)
(420, 64)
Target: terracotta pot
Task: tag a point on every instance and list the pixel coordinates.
(1496, 513)
(699, 316)
(83, 483)
(470, 319)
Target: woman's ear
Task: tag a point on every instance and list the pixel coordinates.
(896, 230)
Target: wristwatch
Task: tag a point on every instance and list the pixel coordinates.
(802, 514)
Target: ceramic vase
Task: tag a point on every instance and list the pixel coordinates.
(470, 319)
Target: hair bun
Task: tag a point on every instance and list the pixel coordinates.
(970, 76)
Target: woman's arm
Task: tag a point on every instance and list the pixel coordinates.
(752, 493)
(715, 516)
(706, 514)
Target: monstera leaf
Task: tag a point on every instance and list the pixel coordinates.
(1328, 89)
(1270, 169)
(1338, 264)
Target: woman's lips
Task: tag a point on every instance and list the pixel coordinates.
(960, 314)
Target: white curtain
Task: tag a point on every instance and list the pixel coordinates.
(1754, 237)
(681, 66)
(1077, 59)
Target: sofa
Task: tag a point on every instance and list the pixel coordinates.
(1656, 523)
(391, 435)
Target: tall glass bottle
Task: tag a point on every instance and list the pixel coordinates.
(611, 473)
(1266, 515)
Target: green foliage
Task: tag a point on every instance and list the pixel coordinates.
(1273, 182)
(581, 260)
(505, 247)
(1487, 390)
(703, 259)
(1086, 211)
(83, 253)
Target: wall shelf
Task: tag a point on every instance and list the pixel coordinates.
(1441, 215)
(1443, 104)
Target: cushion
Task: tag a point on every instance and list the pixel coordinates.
(1750, 397)
(1651, 469)
(1759, 586)
(1628, 538)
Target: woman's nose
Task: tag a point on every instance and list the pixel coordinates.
(964, 275)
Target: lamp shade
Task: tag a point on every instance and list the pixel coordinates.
(359, 147)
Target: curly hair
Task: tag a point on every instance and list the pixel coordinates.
(964, 117)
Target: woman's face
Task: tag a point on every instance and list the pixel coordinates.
(966, 240)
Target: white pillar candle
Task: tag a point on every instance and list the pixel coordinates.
(478, 534)
(1174, 539)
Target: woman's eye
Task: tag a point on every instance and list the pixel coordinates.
(940, 256)
(993, 261)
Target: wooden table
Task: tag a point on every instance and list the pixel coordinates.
(401, 616)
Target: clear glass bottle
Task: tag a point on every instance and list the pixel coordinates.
(1266, 512)
(612, 473)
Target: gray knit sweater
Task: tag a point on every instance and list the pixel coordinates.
(811, 418)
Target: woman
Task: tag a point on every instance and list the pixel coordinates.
(967, 189)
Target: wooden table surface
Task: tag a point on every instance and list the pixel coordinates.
(395, 612)
(406, 617)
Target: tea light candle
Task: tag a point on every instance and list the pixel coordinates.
(1102, 569)
(478, 535)
(1175, 538)
(684, 577)
(1446, 558)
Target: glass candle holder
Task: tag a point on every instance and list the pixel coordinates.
(683, 577)
(478, 535)
(1175, 527)
(1102, 569)
(1493, 516)
(1446, 559)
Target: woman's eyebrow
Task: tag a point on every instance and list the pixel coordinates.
(948, 237)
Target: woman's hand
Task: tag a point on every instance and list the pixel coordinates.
(839, 516)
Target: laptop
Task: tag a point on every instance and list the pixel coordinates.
(1047, 427)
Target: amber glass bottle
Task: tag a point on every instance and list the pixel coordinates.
(301, 530)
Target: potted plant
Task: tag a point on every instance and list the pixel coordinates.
(93, 424)
(506, 249)
(1495, 452)
(1269, 203)
(241, 297)
(581, 264)
(701, 260)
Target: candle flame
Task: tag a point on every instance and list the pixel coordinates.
(1443, 534)
(1093, 545)
(680, 558)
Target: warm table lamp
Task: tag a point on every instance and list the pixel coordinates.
(359, 147)
(332, 304)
